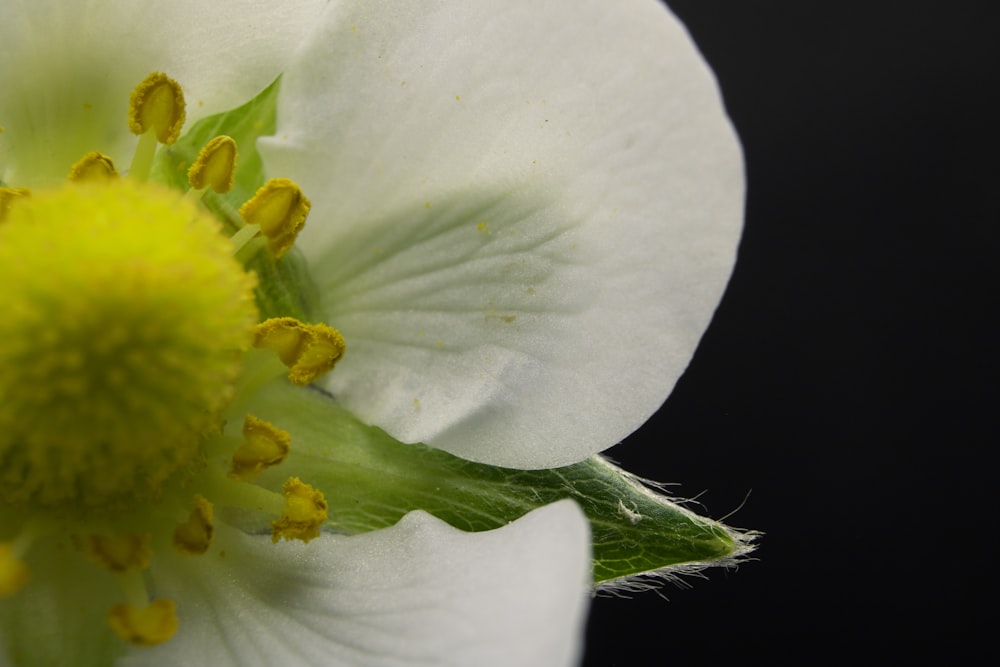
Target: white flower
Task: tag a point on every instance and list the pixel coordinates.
(523, 218)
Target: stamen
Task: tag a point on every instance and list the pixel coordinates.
(139, 621)
(93, 167)
(308, 350)
(156, 114)
(157, 105)
(242, 248)
(280, 209)
(144, 626)
(195, 535)
(260, 366)
(265, 445)
(214, 166)
(237, 494)
(127, 552)
(14, 573)
(305, 511)
(8, 196)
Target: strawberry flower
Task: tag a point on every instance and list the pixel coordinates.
(486, 241)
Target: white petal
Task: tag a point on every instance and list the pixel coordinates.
(59, 617)
(68, 68)
(418, 593)
(589, 139)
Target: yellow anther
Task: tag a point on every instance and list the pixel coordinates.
(93, 167)
(280, 209)
(309, 350)
(8, 196)
(305, 511)
(144, 626)
(157, 105)
(14, 572)
(194, 536)
(128, 552)
(264, 445)
(214, 166)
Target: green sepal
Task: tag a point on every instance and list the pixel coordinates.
(371, 480)
(284, 287)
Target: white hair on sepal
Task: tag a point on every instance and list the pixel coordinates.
(676, 575)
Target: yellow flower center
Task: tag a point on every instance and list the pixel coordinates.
(128, 324)
(123, 319)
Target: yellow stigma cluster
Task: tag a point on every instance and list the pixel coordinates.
(127, 329)
(122, 321)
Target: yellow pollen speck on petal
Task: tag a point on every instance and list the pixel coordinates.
(144, 626)
(157, 104)
(194, 536)
(280, 209)
(128, 552)
(305, 511)
(7, 198)
(265, 445)
(309, 350)
(214, 166)
(93, 167)
(14, 573)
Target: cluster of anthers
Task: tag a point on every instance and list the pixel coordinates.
(129, 336)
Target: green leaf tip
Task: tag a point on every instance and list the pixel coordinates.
(643, 537)
(640, 537)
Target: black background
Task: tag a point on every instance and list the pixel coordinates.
(847, 379)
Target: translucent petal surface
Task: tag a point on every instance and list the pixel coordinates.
(59, 617)
(68, 68)
(523, 218)
(418, 593)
